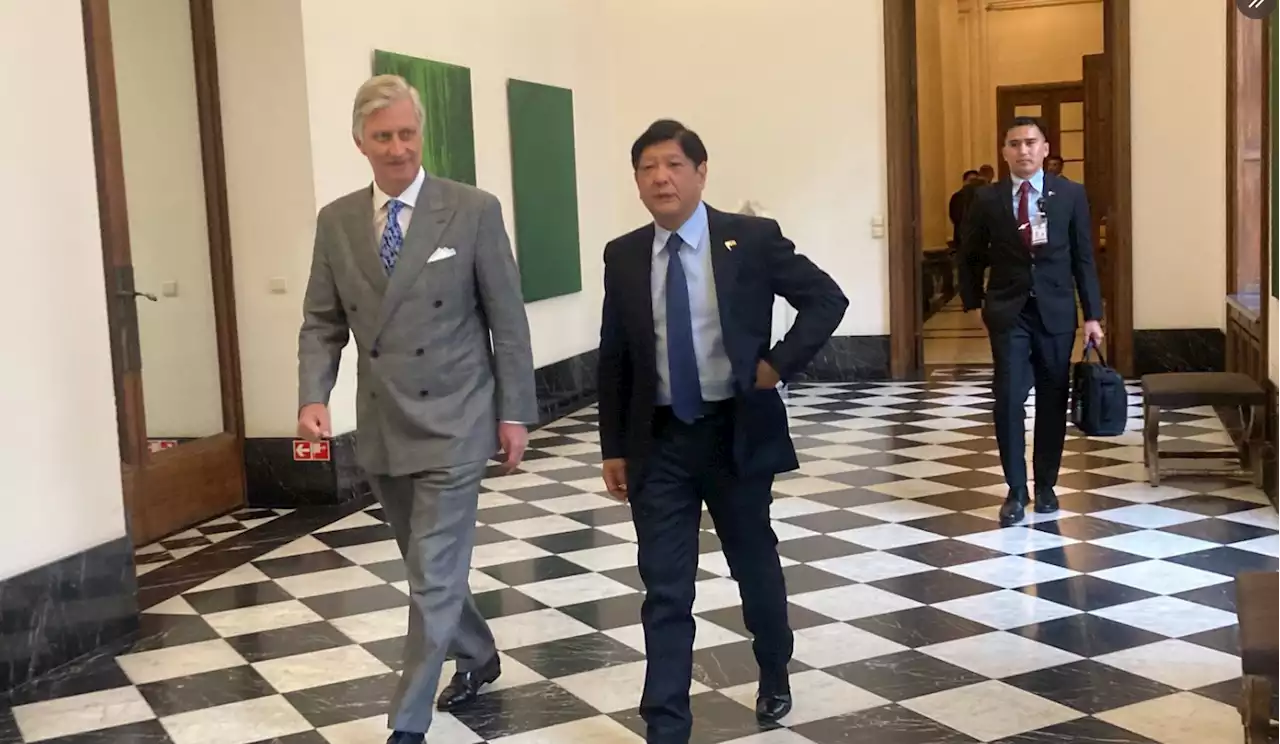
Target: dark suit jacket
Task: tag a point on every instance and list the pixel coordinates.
(1056, 270)
(958, 205)
(751, 262)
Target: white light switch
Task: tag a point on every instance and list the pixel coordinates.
(169, 289)
(279, 285)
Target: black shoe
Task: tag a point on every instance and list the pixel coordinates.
(404, 737)
(772, 707)
(1046, 500)
(1014, 508)
(465, 686)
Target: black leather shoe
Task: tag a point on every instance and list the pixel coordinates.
(404, 737)
(772, 707)
(1046, 500)
(465, 686)
(1014, 508)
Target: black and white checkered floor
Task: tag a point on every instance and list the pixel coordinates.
(918, 620)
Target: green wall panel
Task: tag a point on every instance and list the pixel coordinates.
(449, 137)
(544, 189)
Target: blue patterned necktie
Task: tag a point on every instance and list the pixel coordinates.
(392, 238)
(686, 389)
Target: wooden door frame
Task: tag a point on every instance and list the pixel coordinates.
(1055, 148)
(904, 214)
(210, 462)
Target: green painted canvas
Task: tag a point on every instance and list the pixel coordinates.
(544, 189)
(449, 138)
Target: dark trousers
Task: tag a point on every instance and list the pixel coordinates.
(1027, 354)
(691, 464)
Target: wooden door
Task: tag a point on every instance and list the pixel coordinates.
(173, 482)
(1060, 109)
(1247, 196)
(1099, 175)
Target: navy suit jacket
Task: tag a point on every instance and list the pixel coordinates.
(751, 262)
(989, 237)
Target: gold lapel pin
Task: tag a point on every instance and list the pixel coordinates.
(729, 244)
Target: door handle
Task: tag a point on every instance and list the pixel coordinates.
(130, 294)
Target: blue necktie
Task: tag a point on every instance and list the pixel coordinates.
(686, 389)
(392, 238)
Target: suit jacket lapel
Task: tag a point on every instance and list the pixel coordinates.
(723, 267)
(359, 227)
(638, 263)
(431, 215)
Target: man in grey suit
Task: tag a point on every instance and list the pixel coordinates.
(419, 269)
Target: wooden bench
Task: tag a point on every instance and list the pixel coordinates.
(1256, 609)
(1173, 390)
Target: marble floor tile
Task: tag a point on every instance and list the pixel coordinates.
(81, 713)
(916, 619)
(991, 710)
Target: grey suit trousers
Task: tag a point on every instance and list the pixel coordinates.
(433, 516)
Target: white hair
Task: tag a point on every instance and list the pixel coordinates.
(379, 92)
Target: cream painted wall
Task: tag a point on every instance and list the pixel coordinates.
(58, 447)
(1179, 172)
(168, 229)
(812, 157)
(808, 147)
(790, 101)
(271, 199)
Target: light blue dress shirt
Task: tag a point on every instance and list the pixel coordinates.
(1033, 197)
(714, 371)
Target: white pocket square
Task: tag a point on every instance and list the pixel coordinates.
(441, 254)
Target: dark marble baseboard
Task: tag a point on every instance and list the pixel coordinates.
(274, 479)
(61, 612)
(1179, 350)
(565, 386)
(850, 359)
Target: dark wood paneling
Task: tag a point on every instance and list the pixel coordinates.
(1098, 173)
(1245, 342)
(1247, 197)
(1120, 207)
(1049, 97)
(113, 224)
(902, 153)
(167, 491)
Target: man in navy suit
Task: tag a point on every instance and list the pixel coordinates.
(1032, 229)
(690, 411)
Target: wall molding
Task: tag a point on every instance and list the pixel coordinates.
(996, 6)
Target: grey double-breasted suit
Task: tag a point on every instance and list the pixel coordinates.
(431, 386)
(443, 356)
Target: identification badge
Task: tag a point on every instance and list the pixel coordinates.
(1039, 232)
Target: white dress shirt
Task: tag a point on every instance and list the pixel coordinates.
(409, 197)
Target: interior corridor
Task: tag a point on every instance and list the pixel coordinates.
(918, 620)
